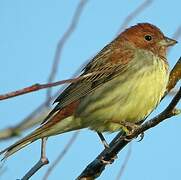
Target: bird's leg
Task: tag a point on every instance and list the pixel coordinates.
(103, 140)
(106, 146)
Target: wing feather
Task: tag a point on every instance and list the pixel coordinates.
(106, 65)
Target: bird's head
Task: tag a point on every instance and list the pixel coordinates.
(148, 37)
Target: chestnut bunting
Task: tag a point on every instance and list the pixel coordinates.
(124, 82)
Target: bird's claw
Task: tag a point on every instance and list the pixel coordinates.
(108, 161)
(125, 138)
(129, 127)
(141, 137)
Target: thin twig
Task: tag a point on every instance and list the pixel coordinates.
(43, 161)
(61, 155)
(97, 166)
(62, 42)
(126, 160)
(135, 13)
(35, 87)
(34, 118)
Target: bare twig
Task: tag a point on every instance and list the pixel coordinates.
(97, 166)
(43, 161)
(122, 169)
(61, 155)
(62, 42)
(34, 118)
(135, 13)
(36, 87)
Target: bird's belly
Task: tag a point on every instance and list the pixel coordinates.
(122, 100)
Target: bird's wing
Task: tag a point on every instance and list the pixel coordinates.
(107, 64)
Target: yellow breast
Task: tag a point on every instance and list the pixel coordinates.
(129, 97)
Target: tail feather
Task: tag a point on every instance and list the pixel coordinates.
(21, 143)
(60, 122)
(46, 130)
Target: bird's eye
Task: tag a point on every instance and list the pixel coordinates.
(148, 37)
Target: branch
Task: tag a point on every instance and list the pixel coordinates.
(34, 118)
(97, 166)
(43, 161)
(61, 155)
(36, 87)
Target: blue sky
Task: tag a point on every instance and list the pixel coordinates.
(29, 34)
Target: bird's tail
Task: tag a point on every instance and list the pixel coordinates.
(52, 127)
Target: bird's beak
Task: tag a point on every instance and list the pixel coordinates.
(167, 42)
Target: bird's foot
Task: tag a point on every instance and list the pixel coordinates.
(103, 140)
(129, 128)
(108, 161)
(141, 137)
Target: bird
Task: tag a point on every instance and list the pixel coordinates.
(122, 84)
